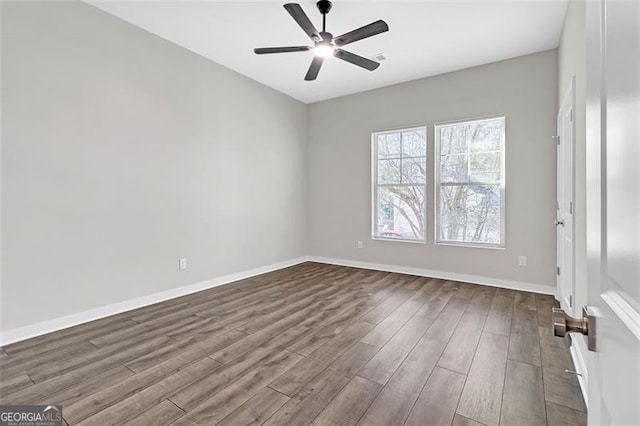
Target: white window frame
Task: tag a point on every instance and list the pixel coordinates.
(436, 162)
(375, 185)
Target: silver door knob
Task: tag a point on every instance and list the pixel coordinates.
(564, 324)
(559, 222)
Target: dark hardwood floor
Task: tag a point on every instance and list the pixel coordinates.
(311, 344)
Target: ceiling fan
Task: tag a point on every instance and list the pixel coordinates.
(325, 44)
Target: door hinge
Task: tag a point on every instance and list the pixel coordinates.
(571, 301)
(571, 114)
(571, 207)
(557, 270)
(556, 138)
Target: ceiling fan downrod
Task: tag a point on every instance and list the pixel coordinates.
(324, 6)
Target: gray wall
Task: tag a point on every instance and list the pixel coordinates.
(524, 89)
(122, 152)
(572, 62)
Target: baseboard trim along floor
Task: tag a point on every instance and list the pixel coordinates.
(27, 332)
(443, 275)
(578, 350)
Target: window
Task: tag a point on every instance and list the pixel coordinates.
(399, 183)
(470, 182)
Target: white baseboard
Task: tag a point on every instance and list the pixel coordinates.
(474, 279)
(578, 349)
(27, 332)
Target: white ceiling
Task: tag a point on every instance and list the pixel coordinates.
(425, 37)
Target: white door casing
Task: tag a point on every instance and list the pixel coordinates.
(613, 209)
(565, 201)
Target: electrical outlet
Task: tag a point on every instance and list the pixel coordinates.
(183, 263)
(360, 244)
(522, 260)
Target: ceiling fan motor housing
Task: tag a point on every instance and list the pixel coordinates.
(324, 6)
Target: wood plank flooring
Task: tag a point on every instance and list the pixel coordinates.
(311, 344)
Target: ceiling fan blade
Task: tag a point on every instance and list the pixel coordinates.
(314, 69)
(356, 59)
(362, 32)
(296, 12)
(264, 50)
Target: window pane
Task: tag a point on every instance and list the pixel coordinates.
(485, 167)
(479, 136)
(461, 168)
(389, 145)
(453, 140)
(389, 171)
(454, 168)
(470, 213)
(400, 212)
(487, 136)
(414, 170)
(414, 143)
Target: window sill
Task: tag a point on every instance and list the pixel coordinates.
(400, 240)
(472, 245)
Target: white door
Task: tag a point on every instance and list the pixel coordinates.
(613, 209)
(564, 206)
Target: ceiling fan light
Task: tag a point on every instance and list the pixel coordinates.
(324, 50)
